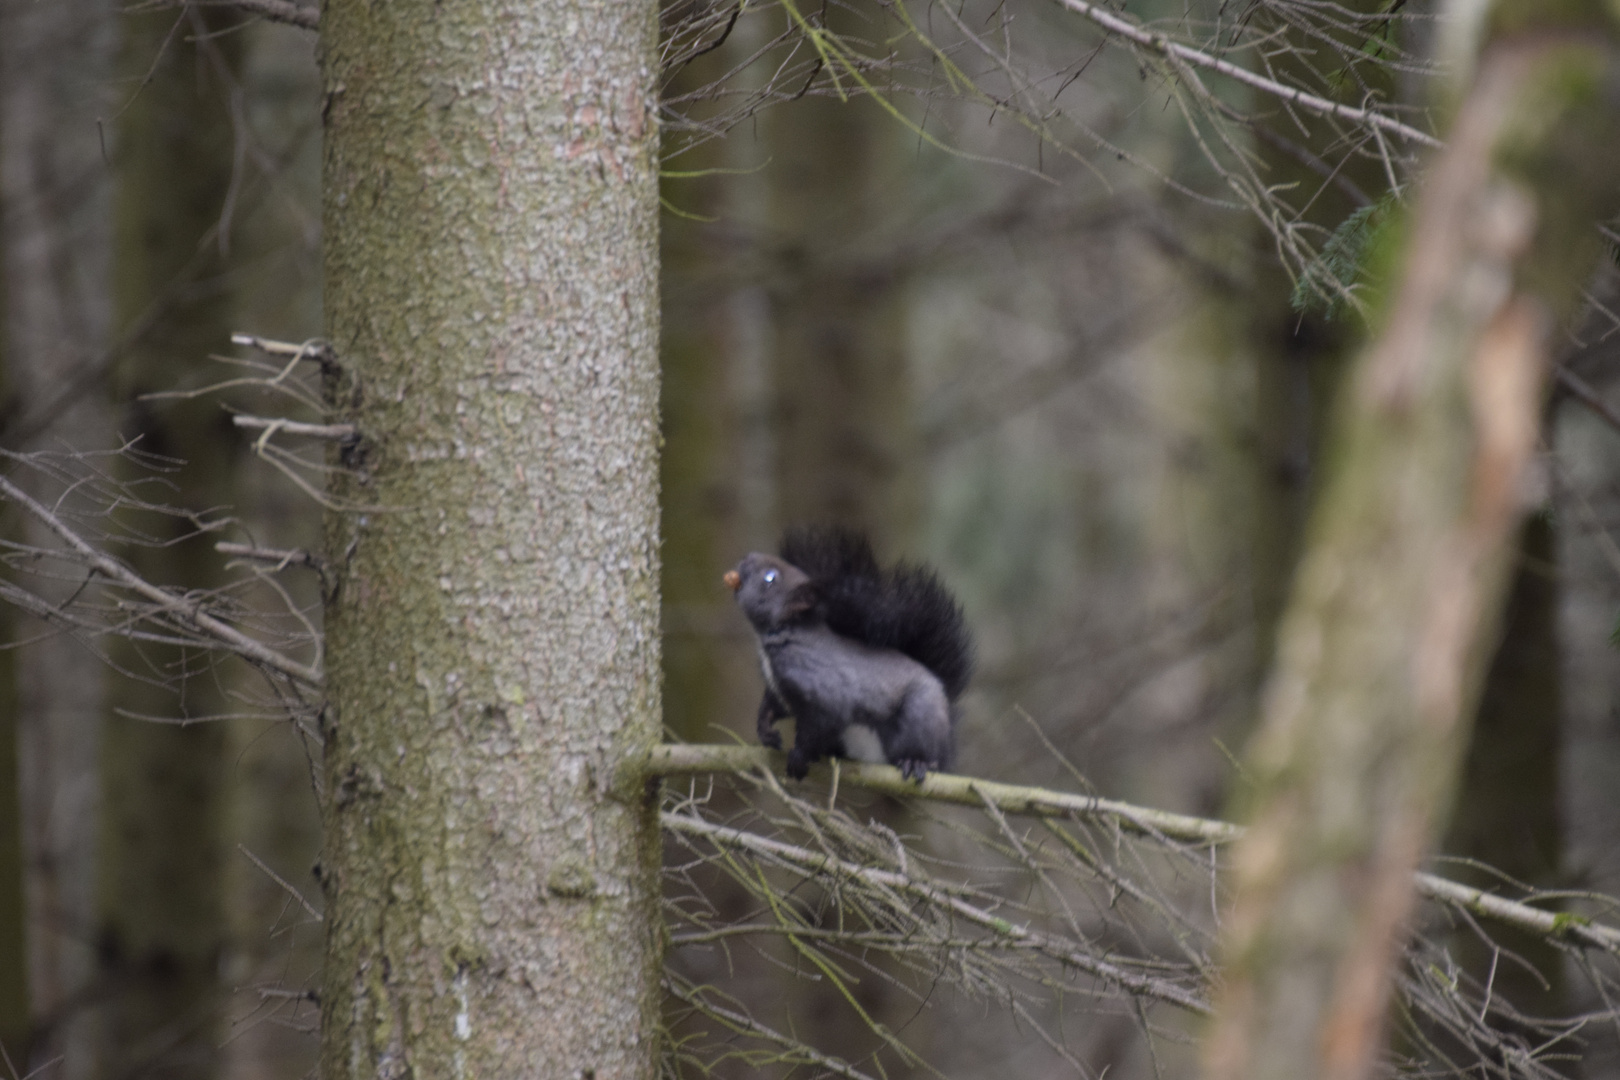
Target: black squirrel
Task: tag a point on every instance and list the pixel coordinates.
(869, 662)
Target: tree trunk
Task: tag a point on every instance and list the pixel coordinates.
(15, 1026)
(704, 465)
(842, 401)
(1241, 384)
(1391, 620)
(55, 60)
(491, 268)
(1299, 356)
(162, 923)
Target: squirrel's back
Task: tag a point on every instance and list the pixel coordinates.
(905, 608)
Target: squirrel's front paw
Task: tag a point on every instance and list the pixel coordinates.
(913, 768)
(770, 737)
(798, 765)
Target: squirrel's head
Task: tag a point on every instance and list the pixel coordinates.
(772, 593)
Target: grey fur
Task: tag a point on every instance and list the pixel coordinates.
(828, 683)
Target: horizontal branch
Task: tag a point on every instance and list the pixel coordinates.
(270, 425)
(1165, 47)
(187, 611)
(1553, 924)
(673, 759)
(279, 556)
(313, 349)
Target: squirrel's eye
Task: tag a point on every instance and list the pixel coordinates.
(770, 577)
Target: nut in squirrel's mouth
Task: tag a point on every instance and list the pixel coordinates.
(732, 579)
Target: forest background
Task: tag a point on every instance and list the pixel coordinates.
(1043, 310)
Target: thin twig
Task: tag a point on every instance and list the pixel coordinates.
(1586, 395)
(188, 611)
(687, 758)
(945, 897)
(271, 425)
(1175, 50)
(744, 1024)
(279, 880)
(314, 349)
(280, 556)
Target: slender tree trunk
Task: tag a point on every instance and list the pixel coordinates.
(491, 293)
(1507, 801)
(272, 812)
(841, 387)
(15, 1026)
(703, 465)
(1199, 375)
(841, 402)
(1383, 648)
(824, 429)
(163, 924)
(1241, 384)
(15, 1023)
(1299, 356)
(55, 60)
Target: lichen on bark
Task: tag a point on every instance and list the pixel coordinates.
(491, 291)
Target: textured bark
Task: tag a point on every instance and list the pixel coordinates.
(491, 291)
(54, 61)
(162, 922)
(1383, 648)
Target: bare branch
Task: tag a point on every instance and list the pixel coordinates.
(187, 611)
(280, 556)
(672, 759)
(279, 880)
(314, 349)
(1291, 94)
(949, 898)
(678, 758)
(271, 425)
(744, 1024)
(1586, 395)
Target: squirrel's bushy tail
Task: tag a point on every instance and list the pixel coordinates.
(905, 608)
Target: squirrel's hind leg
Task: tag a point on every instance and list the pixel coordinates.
(919, 738)
(771, 710)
